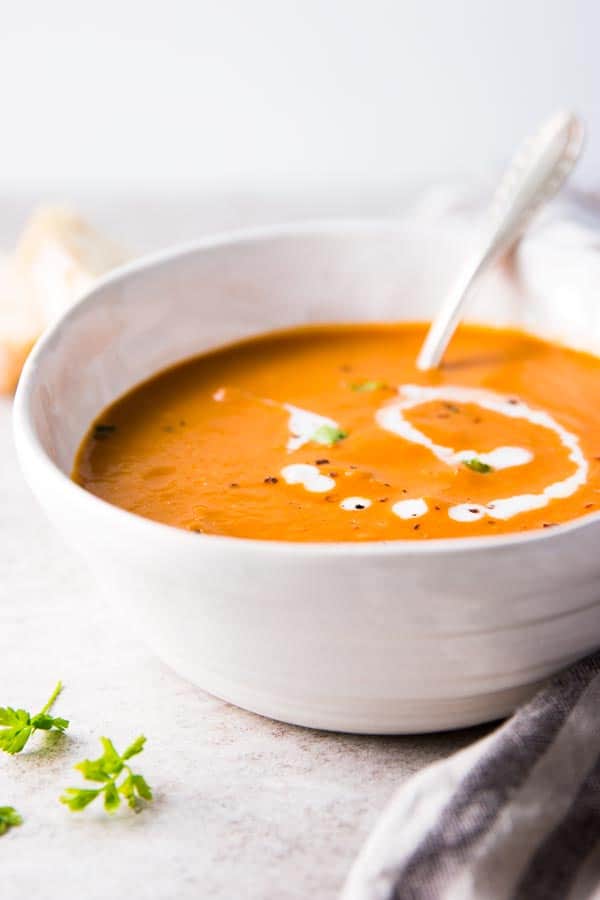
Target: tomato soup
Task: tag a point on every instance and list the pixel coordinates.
(330, 433)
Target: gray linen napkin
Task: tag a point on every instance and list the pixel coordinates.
(515, 815)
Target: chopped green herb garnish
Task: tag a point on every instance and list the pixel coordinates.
(20, 725)
(364, 386)
(477, 465)
(328, 435)
(9, 818)
(106, 771)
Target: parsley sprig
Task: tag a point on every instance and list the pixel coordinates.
(362, 387)
(20, 725)
(478, 465)
(9, 818)
(328, 435)
(106, 770)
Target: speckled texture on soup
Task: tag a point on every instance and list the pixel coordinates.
(329, 433)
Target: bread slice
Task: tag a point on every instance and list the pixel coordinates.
(58, 257)
(20, 325)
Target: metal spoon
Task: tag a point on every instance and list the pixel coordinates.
(534, 176)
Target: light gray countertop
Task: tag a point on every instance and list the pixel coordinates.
(244, 807)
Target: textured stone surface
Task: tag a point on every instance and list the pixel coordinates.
(245, 807)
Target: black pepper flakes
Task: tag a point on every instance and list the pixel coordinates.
(416, 527)
(270, 479)
(321, 462)
(234, 484)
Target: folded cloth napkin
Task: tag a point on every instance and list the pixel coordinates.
(516, 815)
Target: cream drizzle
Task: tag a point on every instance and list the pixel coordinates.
(302, 425)
(308, 476)
(390, 417)
(356, 503)
(410, 509)
(500, 458)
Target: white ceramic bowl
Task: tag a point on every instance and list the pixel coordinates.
(378, 637)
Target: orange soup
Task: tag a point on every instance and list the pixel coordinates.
(329, 433)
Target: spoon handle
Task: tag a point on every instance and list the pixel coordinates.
(533, 177)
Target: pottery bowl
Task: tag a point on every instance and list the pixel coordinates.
(383, 637)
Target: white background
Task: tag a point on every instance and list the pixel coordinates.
(264, 92)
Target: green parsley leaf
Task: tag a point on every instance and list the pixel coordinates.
(20, 725)
(127, 789)
(328, 435)
(111, 760)
(477, 465)
(78, 798)
(135, 748)
(363, 386)
(106, 770)
(142, 787)
(93, 770)
(45, 722)
(112, 801)
(9, 818)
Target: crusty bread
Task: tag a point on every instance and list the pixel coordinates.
(20, 325)
(58, 257)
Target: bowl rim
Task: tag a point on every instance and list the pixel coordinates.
(28, 442)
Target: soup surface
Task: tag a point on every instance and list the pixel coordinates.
(329, 433)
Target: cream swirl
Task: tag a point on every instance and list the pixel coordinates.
(391, 418)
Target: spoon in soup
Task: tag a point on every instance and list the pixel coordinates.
(535, 174)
